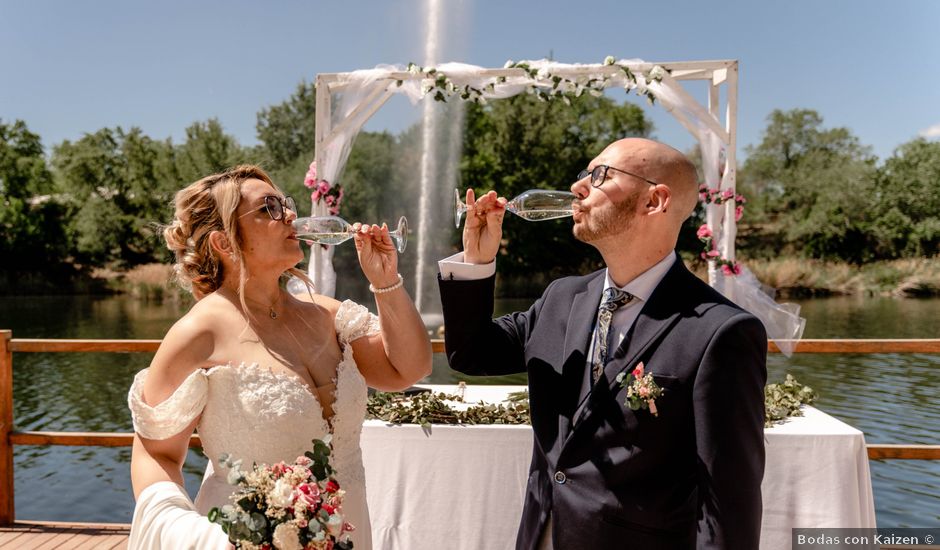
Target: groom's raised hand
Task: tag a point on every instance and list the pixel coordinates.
(483, 228)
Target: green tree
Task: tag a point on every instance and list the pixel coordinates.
(31, 217)
(23, 169)
(287, 130)
(120, 184)
(816, 185)
(908, 193)
(524, 143)
(207, 150)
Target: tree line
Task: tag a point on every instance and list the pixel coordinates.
(813, 191)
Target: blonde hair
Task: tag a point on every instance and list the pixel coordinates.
(202, 207)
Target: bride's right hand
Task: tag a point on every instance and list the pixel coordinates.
(483, 229)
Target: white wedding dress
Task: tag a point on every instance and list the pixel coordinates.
(259, 416)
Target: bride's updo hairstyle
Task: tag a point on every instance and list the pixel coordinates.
(203, 207)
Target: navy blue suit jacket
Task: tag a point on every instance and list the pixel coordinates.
(611, 477)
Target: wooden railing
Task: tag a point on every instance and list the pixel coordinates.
(9, 437)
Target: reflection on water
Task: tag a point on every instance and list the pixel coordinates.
(892, 398)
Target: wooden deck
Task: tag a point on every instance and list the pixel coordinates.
(36, 535)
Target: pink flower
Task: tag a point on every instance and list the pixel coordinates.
(329, 200)
(638, 371)
(315, 196)
(726, 270)
(727, 194)
(331, 486)
(737, 269)
(334, 211)
(740, 199)
(279, 469)
(702, 197)
(738, 212)
(310, 180)
(323, 187)
(307, 495)
(713, 254)
(704, 232)
(644, 392)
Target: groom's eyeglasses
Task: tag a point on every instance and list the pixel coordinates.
(275, 207)
(599, 175)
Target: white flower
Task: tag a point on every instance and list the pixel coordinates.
(657, 73)
(427, 86)
(280, 495)
(287, 537)
(234, 473)
(509, 63)
(335, 525)
(609, 60)
(413, 69)
(543, 73)
(596, 93)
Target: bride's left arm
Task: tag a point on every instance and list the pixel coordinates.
(400, 354)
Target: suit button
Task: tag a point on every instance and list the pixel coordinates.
(560, 477)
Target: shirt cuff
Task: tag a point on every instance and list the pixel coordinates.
(455, 269)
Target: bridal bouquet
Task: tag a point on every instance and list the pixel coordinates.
(285, 506)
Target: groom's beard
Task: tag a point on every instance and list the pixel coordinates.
(614, 220)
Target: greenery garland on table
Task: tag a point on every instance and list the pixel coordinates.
(432, 408)
(781, 401)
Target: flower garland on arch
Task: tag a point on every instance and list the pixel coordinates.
(323, 191)
(717, 196)
(542, 82)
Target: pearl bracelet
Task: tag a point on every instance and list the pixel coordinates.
(396, 286)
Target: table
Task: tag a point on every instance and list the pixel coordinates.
(462, 487)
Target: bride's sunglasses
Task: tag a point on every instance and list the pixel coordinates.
(275, 207)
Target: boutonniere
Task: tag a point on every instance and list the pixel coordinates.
(642, 390)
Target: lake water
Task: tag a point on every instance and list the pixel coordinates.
(891, 398)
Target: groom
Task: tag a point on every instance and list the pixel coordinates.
(604, 476)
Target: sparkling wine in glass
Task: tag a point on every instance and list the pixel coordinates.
(336, 230)
(533, 205)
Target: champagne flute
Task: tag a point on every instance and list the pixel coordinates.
(336, 230)
(533, 205)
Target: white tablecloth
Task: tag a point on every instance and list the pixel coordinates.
(462, 487)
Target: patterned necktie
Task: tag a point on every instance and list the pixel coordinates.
(614, 299)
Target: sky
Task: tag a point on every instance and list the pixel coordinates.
(70, 68)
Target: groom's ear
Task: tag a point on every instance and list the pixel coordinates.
(660, 198)
(221, 245)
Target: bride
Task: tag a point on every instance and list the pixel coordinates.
(258, 372)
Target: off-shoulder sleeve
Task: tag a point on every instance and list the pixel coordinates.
(168, 418)
(354, 321)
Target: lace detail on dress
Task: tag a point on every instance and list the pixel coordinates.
(168, 418)
(354, 321)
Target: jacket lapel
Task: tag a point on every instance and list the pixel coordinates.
(658, 315)
(581, 318)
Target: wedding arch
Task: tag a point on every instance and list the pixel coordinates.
(345, 101)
